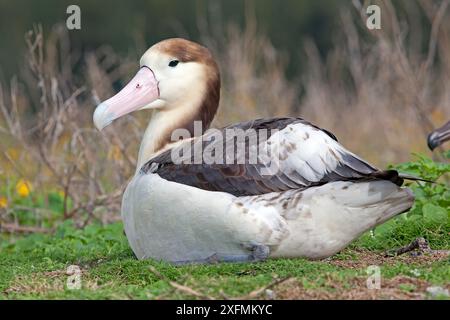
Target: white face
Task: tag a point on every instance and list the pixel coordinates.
(178, 81)
(162, 83)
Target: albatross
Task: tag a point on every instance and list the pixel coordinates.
(302, 195)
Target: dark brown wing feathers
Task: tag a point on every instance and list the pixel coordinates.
(246, 179)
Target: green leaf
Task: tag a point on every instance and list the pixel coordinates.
(385, 228)
(435, 213)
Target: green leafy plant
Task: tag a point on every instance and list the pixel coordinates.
(429, 216)
(432, 199)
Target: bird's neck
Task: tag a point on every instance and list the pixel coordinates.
(199, 107)
(167, 127)
(158, 134)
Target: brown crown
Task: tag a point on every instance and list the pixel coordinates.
(188, 51)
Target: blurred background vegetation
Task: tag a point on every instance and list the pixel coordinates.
(133, 25)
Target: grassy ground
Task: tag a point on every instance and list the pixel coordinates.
(36, 267)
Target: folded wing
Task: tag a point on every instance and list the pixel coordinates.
(291, 154)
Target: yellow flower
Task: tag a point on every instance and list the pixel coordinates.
(61, 194)
(3, 202)
(23, 188)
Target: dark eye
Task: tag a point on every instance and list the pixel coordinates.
(173, 63)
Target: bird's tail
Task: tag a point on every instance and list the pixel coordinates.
(406, 176)
(396, 177)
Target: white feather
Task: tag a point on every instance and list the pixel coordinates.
(312, 153)
(175, 222)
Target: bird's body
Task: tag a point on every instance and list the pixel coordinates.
(179, 223)
(279, 187)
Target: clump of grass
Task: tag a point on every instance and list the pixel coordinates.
(36, 267)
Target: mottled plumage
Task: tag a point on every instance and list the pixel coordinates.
(304, 195)
(308, 156)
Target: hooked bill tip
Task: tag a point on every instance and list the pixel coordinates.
(433, 141)
(102, 117)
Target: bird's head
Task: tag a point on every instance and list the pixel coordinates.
(174, 73)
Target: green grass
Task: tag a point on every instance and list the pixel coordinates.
(34, 267)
